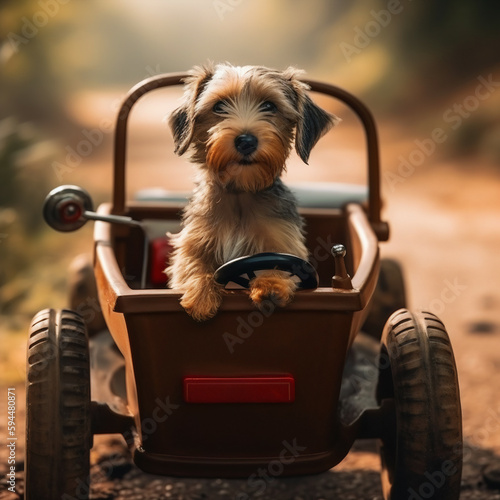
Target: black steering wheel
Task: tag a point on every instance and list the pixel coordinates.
(242, 270)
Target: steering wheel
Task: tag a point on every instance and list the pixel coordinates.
(242, 270)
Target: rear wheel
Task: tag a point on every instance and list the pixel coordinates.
(389, 296)
(58, 435)
(83, 296)
(422, 455)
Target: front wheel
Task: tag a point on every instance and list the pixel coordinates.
(58, 435)
(421, 456)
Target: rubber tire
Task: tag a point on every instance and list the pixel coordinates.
(425, 447)
(58, 432)
(389, 296)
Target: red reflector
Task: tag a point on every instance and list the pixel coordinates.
(239, 389)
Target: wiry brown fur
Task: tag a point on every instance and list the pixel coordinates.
(240, 206)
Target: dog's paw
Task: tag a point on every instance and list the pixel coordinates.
(279, 290)
(202, 303)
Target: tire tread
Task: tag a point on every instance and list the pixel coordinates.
(425, 387)
(58, 405)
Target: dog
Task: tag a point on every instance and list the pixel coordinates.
(240, 123)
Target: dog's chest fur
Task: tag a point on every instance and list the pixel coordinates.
(249, 223)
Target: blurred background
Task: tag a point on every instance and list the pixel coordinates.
(429, 71)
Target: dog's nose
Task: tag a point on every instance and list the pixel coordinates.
(246, 144)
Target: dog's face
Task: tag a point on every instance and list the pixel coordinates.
(241, 122)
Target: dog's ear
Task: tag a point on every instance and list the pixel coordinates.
(181, 120)
(313, 122)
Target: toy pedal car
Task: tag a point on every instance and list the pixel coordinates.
(225, 397)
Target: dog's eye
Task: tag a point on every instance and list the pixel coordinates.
(220, 108)
(268, 107)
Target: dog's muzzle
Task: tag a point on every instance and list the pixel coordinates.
(246, 144)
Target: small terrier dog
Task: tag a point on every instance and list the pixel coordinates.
(240, 123)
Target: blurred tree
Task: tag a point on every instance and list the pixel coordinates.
(438, 47)
(22, 184)
(51, 48)
(27, 87)
(22, 190)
